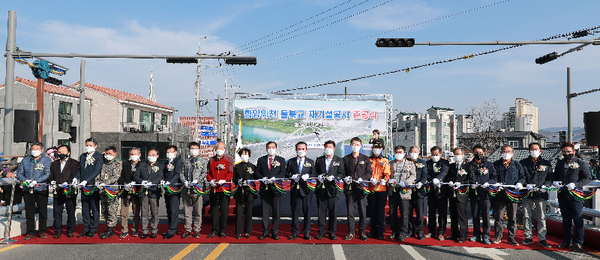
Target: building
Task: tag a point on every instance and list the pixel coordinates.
(516, 139)
(522, 117)
(206, 135)
(61, 113)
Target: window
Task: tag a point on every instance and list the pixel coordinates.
(164, 119)
(445, 136)
(129, 115)
(432, 124)
(407, 125)
(432, 137)
(405, 137)
(65, 119)
(146, 121)
(64, 142)
(514, 144)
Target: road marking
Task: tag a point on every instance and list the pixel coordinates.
(412, 252)
(215, 253)
(490, 252)
(338, 252)
(9, 248)
(184, 252)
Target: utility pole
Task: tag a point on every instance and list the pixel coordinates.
(81, 132)
(198, 82)
(569, 125)
(9, 87)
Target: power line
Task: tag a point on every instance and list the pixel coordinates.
(255, 18)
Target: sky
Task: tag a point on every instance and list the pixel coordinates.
(305, 43)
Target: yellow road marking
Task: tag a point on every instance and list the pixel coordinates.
(9, 248)
(215, 253)
(596, 253)
(184, 252)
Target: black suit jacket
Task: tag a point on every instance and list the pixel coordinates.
(538, 173)
(362, 169)
(145, 173)
(336, 169)
(262, 171)
(308, 168)
(510, 175)
(89, 173)
(244, 171)
(580, 175)
(126, 173)
(466, 178)
(441, 175)
(172, 176)
(66, 175)
(422, 176)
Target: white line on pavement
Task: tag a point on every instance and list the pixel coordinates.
(490, 252)
(412, 252)
(338, 252)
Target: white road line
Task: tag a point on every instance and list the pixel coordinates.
(490, 252)
(338, 252)
(412, 252)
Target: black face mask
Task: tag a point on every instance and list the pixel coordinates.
(63, 156)
(569, 156)
(478, 156)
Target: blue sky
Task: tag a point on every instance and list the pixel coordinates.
(174, 27)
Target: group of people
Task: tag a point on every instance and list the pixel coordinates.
(367, 183)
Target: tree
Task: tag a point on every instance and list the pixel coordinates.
(485, 126)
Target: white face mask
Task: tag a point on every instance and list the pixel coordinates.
(356, 148)
(376, 151)
(414, 156)
(245, 158)
(170, 156)
(109, 157)
(220, 152)
(399, 156)
(194, 152)
(272, 152)
(90, 149)
(458, 158)
(506, 156)
(301, 153)
(535, 153)
(152, 158)
(328, 151)
(36, 153)
(435, 158)
(134, 158)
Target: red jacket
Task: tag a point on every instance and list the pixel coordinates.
(219, 169)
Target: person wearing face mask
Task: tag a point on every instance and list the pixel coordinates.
(90, 165)
(268, 168)
(330, 167)
(358, 168)
(128, 198)
(300, 169)
(571, 173)
(244, 198)
(403, 174)
(62, 172)
(34, 170)
(220, 171)
(194, 173)
(109, 177)
(378, 199)
(538, 172)
(460, 173)
(172, 170)
(375, 139)
(437, 167)
(417, 202)
(149, 174)
(508, 172)
(484, 175)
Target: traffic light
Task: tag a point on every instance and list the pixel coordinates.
(395, 42)
(54, 81)
(182, 60)
(73, 133)
(547, 58)
(240, 60)
(580, 34)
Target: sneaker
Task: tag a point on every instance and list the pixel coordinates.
(543, 243)
(576, 248)
(511, 241)
(486, 241)
(527, 241)
(497, 240)
(564, 245)
(123, 235)
(475, 239)
(134, 233)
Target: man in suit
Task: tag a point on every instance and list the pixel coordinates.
(538, 172)
(571, 173)
(299, 168)
(90, 165)
(357, 168)
(127, 197)
(508, 172)
(172, 170)
(62, 173)
(219, 172)
(460, 173)
(377, 200)
(268, 168)
(417, 202)
(484, 174)
(149, 175)
(331, 168)
(109, 178)
(194, 172)
(437, 167)
(34, 170)
(403, 174)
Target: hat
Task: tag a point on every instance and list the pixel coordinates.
(378, 145)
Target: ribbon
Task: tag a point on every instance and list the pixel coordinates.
(366, 188)
(87, 191)
(112, 194)
(583, 195)
(517, 196)
(405, 190)
(254, 186)
(199, 189)
(227, 189)
(493, 191)
(339, 185)
(171, 190)
(135, 189)
(282, 186)
(427, 187)
(312, 184)
(463, 190)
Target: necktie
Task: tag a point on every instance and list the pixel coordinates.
(299, 165)
(270, 162)
(327, 163)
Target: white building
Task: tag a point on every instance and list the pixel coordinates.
(522, 117)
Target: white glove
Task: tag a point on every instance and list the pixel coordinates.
(132, 183)
(330, 178)
(221, 182)
(127, 187)
(419, 185)
(485, 185)
(347, 179)
(571, 186)
(373, 180)
(101, 185)
(457, 185)
(556, 184)
(518, 186)
(451, 184)
(436, 181)
(53, 183)
(473, 186)
(295, 177)
(75, 181)
(496, 185)
(402, 184)
(543, 189)
(530, 186)
(305, 177)
(148, 185)
(167, 183)
(382, 182)
(265, 180)
(321, 177)
(65, 183)
(195, 181)
(144, 183)
(392, 181)
(212, 183)
(272, 180)
(359, 180)
(187, 184)
(32, 184)
(83, 183)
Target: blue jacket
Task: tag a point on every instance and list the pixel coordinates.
(481, 178)
(90, 172)
(27, 171)
(538, 173)
(576, 171)
(510, 175)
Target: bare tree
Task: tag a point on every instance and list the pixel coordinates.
(485, 126)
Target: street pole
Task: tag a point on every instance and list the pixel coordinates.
(81, 132)
(9, 87)
(569, 125)
(218, 119)
(40, 108)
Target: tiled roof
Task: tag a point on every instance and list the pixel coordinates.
(122, 95)
(550, 154)
(48, 88)
(508, 134)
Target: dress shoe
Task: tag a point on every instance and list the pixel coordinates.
(239, 236)
(440, 237)
(222, 235)
(460, 240)
(247, 235)
(428, 235)
(211, 235)
(91, 234)
(564, 245)
(110, 233)
(42, 235)
(169, 236)
(528, 241)
(307, 237)
(143, 236)
(186, 234)
(363, 237)
(70, 234)
(293, 237)
(372, 234)
(83, 234)
(332, 237)
(497, 240)
(153, 235)
(380, 236)
(393, 235)
(349, 237)
(320, 236)
(197, 235)
(420, 237)
(134, 233)
(275, 236)
(401, 237)
(123, 235)
(576, 248)
(545, 244)
(511, 241)
(451, 237)
(263, 236)
(29, 237)
(57, 235)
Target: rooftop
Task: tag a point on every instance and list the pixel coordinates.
(122, 95)
(48, 88)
